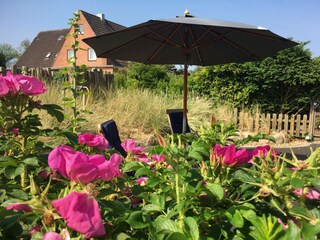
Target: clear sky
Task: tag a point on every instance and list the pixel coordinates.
(300, 19)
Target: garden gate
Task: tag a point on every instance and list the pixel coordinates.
(314, 124)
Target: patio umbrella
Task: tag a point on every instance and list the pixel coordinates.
(189, 40)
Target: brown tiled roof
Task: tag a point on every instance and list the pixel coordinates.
(101, 26)
(37, 54)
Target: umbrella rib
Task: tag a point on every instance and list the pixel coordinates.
(167, 39)
(198, 52)
(224, 38)
(135, 39)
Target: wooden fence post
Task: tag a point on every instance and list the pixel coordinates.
(235, 117)
(291, 130)
(298, 122)
(280, 120)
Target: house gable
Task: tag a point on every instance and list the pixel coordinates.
(92, 26)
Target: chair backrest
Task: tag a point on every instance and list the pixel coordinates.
(176, 120)
(110, 132)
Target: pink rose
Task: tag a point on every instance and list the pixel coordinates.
(229, 156)
(130, 146)
(4, 89)
(158, 158)
(142, 181)
(35, 229)
(81, 212)
(78, 166)
(30, 85)
(20, 206)
(142, 157)
(52, 236)
(12, 83)
(92, 140)
(310, 194)
(15, 131)
(263, 151)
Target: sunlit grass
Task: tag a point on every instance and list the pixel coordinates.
(138, 113)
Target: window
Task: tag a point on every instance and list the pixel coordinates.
(48, 55)
(60, 37)
(81, 30)
(92, 55)
(70, 53)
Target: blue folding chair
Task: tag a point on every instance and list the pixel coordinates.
(110, 132)
(175, 117)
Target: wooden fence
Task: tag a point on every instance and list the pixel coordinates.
(94, 77)
(294, 125)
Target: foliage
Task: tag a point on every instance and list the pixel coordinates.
(8, 52)
(288, 81)
(283, 83)
(2, 60)
(23, 46)
(227, 83)
(148, 76)
(75, 85)
(187, 187)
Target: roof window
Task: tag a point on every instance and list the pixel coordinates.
(60, 37)
(48, 55)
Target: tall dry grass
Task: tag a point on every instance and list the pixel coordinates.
(138, 113)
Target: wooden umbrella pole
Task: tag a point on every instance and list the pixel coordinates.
(185, 96)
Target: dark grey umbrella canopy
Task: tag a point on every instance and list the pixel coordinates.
(189, 40)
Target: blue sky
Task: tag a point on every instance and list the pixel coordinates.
(300, 19)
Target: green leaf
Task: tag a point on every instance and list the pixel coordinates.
(72, 137)
(145, 171)
(31, 161)
(151, 208)
(196, 155)
(54, 110)
(17, 193)
(267, 228)
(167, 226)
(11, 172)
(123, 236)
(310, 231)
(191, 228)
(9, 221)
(293, 232)
(296, 183)
(136, 220)
(177, 236)
(131, 166)
(315, 182)
(235, 217)
(216, 190)
(244, 176)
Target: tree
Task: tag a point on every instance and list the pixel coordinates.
(283, 83)
(288, 81)
(23, 46)
(2, 60)
(8, 52)
(227, 83)
(148, 76)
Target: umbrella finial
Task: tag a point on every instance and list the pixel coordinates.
(187, 13)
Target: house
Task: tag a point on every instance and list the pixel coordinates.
(51, 49)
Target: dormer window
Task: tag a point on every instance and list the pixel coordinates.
(48, 55)
(60, 37)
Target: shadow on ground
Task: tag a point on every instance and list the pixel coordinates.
(301, 152)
